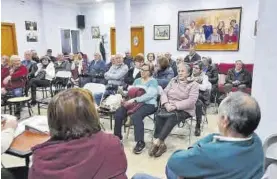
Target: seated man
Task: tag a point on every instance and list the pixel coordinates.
(61, 64)
(172, 63)
(237, 77)
(95, 72)
(29, 63)
(128, 59)
(8, 126)
(112, 62)
(204, 93)
(115, 76)
(212, 72)
(235, 153)
(134, 73)
(192, 56)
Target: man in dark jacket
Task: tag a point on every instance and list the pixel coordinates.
(237, 77)
(192, 56)
(128, 59)
(212, 72)
(172, 63)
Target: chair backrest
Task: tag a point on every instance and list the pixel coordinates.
(223, 68)
(95, 87)
(63, 74)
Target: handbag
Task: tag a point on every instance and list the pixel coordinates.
(41, 75)
(163, 113)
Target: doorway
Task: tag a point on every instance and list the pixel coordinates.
(137, 40)
(8, 40)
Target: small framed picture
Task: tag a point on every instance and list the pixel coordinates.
(161, 32)
(95, 32)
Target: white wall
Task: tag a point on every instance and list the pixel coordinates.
(50, 18)
(153, 12)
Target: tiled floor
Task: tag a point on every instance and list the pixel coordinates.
(140, 163)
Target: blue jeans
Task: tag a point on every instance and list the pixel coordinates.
(17, 92)
(97, 98)
(168, 172)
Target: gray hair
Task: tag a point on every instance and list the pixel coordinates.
(186, 66)
(242, 111)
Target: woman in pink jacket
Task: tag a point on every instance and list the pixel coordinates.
(177, 104)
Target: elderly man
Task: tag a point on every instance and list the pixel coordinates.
(30, 64)
(35, 56)
(172, 63)
(115, 75)
(128, 59)
(236, 152)
(192, 56)
(61, 64)
(237, 77)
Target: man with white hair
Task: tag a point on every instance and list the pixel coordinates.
(236, 152)
(30, 64)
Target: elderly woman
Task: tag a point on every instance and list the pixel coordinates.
(178, 102)
(43, 77)
(236, 152)
(148, 107)
(164, 72)
(77, 147)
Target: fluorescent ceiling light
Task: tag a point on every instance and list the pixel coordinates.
(98, 0)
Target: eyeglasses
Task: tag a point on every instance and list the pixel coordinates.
(143, 70)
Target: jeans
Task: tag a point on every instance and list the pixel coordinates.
(17, 92)
(165, 125)
(168, 172)
(136, 119)
(97, 97)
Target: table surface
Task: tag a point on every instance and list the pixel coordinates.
(19, 99)
(23, 143)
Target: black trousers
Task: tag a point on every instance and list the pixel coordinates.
(165, 125)
(136, 119)
(15, 173)
(33, 84)
(199, 112)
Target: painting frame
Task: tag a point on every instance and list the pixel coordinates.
(155, 27)
(224, 46)
(95, 32)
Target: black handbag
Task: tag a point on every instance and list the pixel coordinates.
(162, 113)
(41, 75)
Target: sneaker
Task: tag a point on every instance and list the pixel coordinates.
(197, 131)
(162, 149)
(139, 147)
(153, 150)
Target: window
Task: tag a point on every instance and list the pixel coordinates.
(70, 40)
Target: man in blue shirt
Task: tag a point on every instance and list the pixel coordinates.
(30, 64)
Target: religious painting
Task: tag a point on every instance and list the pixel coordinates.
(161, 32)
(209, 29)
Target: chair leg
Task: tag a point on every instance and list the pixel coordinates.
(38, 108)
(29, 109)
(10, 108)
(111, 121)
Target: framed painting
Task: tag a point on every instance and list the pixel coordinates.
(161, 32)
(95, 32)
(209, 29)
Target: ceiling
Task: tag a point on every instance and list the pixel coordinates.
(83, 2)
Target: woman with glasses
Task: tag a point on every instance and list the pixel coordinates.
(148, 107)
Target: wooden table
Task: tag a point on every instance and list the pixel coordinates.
(22, 144)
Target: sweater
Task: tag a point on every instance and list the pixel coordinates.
(151, 91)
(18, 78)
(182, 95)
(116, 73)
(50, 71)
(220, 157)
(99, 156)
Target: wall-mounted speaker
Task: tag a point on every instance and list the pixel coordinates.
(81, 21)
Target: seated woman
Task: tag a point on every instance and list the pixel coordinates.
(149, 100)
(204, 93)
(95, 72)
(164, 73)
(77, 147)
(178, 98)
(236, 152)
(43, 77)
(151, 58)
(134, 73)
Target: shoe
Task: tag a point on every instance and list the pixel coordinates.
(33, 103)
(153, 150)
(197, 131)
(139, 147)
(162, 149)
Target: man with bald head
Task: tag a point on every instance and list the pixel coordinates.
(235, 152)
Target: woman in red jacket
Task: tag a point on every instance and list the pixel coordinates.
(13, 79)
(77, 148)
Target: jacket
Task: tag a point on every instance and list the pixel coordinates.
(63, 66)
(221, 158)
(212, 73)
(194, 58)
(116, 73)
(28, 64)
(164, 76)
(100, 156)
(244, 77)
(133, 107)
(129, 79)
(182, 95)
(129, 62)
(173, 65)
(50, 71)
(18, 78)
(96, 69)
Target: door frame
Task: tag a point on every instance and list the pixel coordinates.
(113, 28)
(14, 35)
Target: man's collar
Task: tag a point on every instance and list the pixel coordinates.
(230, 139)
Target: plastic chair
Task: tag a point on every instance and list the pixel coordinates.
(95, 88)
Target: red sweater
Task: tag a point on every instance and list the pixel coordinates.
(18, 78)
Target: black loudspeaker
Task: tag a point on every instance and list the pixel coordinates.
(81, 21)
